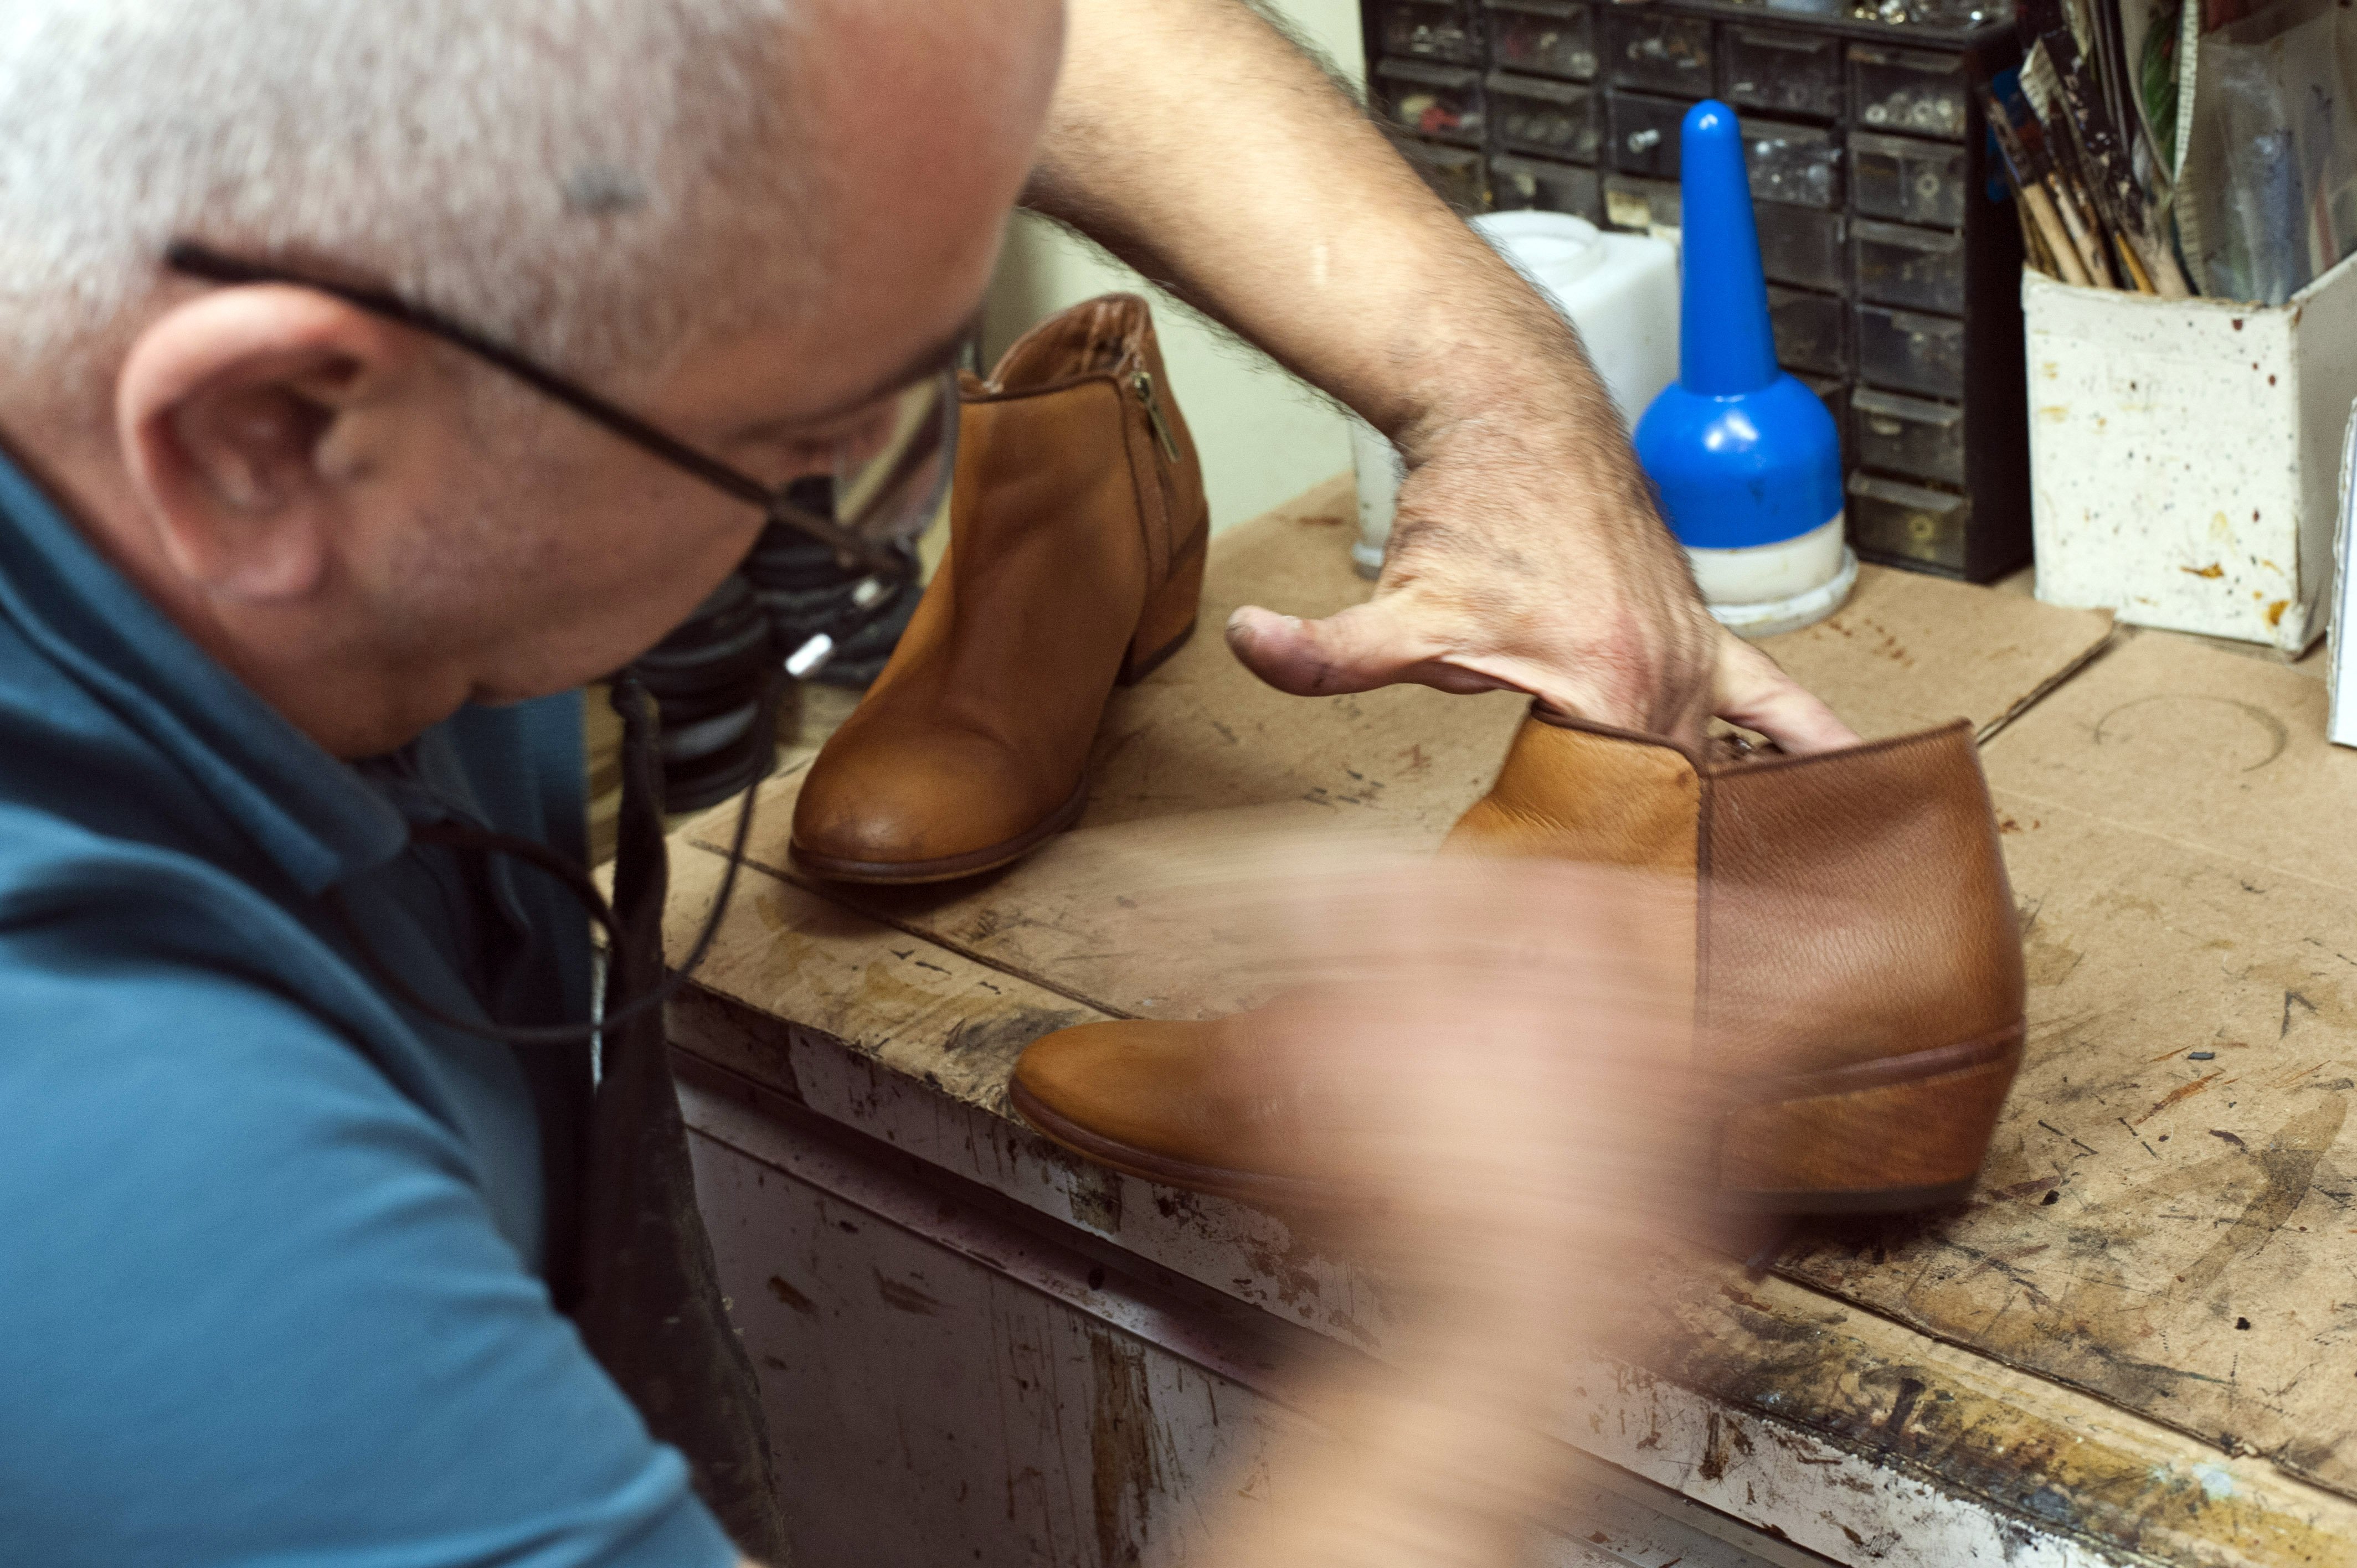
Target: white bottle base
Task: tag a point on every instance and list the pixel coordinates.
(1768, 589)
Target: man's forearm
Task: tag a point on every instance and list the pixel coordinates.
(1198, 145)
(1194, 141)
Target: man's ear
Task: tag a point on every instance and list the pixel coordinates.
(225, 407)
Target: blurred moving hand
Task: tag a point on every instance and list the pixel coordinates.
(1493, 1060)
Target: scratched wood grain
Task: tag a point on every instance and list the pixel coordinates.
(1203, 754)
(2170, 1214)
(1854, 1433)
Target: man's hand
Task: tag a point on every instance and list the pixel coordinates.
(1193, 141)
(1495, 1062)
(1502, 574)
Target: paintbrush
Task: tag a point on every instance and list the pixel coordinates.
(2041, 219)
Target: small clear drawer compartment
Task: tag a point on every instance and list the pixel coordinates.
(1812, 330)
(1545, 37)
(1798, 165)
(1906, 90)
(1904, 351)
(1908, 522)
(1920, 268)
(1442, 102)
(1911, 180)
(1787, 74)
(1909, 435)
(1801, 245)
(1533, 115)
(1519, 183)
(1657, 52)
(1645, 134)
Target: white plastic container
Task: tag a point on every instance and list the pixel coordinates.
(1620, 292)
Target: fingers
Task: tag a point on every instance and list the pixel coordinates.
(1752, 690)
(1366, 646)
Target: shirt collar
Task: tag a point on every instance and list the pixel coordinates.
(315, 817)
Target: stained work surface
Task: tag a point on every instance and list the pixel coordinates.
(2151, 1357)
(2168, 1218)
(1202, 748)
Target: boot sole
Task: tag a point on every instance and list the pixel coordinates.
(1892, 1091)
(1879, 1137)
(950, 867)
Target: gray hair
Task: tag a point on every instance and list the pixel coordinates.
(602, 183)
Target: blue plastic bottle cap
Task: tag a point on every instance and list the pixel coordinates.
(1742, 454)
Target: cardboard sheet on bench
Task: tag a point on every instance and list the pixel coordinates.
(2169, 1218)
(1202, 752)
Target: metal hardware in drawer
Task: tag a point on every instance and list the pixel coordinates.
(1915, 182)
(1788, 73)
(1656, 52)
(1546, 37)
(1645, 134)
(1906, 90)
(1426, 29)
(1914, 523)
(1517, 183)
(1533, 115)
(1923, 269)
(1907, 352)
(1438, 100)
(1812, 330)
(1908, 436)
(1795, 164)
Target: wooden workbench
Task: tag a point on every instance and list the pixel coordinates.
(2128, 1347)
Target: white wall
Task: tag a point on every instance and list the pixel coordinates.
(1264, 437)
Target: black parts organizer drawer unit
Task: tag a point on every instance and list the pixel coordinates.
(1892, 251)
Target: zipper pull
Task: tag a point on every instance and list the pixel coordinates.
(1143, 384)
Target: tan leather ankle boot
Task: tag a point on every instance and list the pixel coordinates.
(1859, 985)
(1077, 534)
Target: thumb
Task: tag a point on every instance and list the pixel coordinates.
(1752, 690)
(1356, 649)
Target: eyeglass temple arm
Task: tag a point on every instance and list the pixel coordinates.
(197, 260)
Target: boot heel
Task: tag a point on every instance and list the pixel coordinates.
(1902, 1134)
(1169, 618)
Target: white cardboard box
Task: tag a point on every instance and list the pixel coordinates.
(2184, 454)
(2340, 726)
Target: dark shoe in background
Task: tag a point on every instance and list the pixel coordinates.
(707, 679)
(805, 589)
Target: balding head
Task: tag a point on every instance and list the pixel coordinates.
(589, 179)
(736, 217)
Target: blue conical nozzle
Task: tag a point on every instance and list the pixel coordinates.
(1740, 453)
(1724, 345)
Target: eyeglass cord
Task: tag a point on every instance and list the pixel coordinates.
(638, 755)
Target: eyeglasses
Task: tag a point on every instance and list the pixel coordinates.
(887, 491)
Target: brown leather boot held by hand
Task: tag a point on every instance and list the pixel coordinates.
(1077, 532)
(1858, 989)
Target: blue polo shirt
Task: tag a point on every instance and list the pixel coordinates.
(271, 1249)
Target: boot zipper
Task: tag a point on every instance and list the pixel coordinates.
(1142, 382)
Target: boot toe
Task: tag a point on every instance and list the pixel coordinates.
(930, 809)
(1112, 1084)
